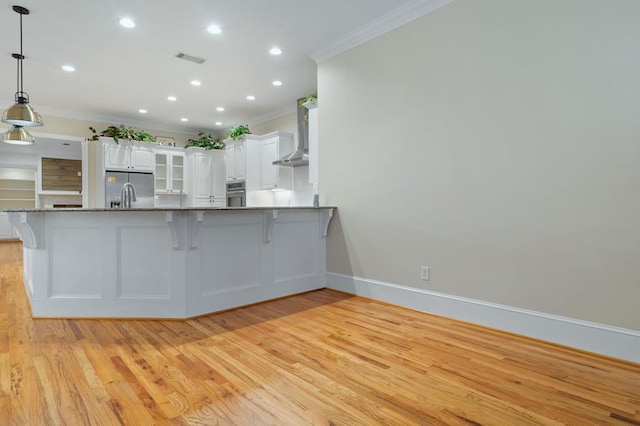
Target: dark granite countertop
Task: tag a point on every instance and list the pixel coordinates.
(170, 209)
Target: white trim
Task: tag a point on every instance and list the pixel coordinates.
(593, 337)
(392, 20)
(273, 115)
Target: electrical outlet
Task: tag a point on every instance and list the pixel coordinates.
(424, 273)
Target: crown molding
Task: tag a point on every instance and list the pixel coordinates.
(272, 115)
(377, 27)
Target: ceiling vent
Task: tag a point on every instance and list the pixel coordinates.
(190, 58)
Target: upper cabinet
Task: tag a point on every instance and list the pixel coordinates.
(273, 146)
(236, 160)
(170, 171)
(207, 178)
(127, 156)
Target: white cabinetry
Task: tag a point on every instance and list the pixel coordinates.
(236, 160)
(207, 169)
(169, 173)
(128, 156)
(273, 146)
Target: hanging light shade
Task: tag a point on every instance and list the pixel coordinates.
(21, 113)
(18, 135)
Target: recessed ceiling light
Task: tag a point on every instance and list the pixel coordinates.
(275, 51)
(251, 98)
(277, 83)
(68, 68)
(220, 109)
(127, 23)
(214, 29)
(218, 123)
(184, 119)
(172, 98)
(196, 83)
(142, 111)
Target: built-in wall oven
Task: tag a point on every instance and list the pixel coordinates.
(236, 194)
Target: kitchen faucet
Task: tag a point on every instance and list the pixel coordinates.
(127, 195)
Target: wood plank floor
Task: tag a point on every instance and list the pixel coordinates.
(322, 358)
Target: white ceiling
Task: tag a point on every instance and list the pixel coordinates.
(119, 70)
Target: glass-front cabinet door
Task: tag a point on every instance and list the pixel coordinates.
(169, 173)
(177, 172)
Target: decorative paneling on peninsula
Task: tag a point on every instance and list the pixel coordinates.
(73, 252)
(144, 262)
(299, 261)
(60, 174)
(231, 259)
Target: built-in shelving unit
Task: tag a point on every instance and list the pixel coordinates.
(17, 191)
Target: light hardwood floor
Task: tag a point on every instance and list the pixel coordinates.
(323, 358)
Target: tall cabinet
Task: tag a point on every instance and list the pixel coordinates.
(273, 146)
(127, 156)
(207, 178)
(236, 160)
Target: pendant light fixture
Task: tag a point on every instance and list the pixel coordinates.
(18, 135)
(21, 114)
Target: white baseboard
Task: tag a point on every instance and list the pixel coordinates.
(593, 337)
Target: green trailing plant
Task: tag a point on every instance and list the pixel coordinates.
(206, 141)
(237, 131)
(313, 98)
(122, 132)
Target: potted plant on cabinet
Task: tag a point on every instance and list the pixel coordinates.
(238, 131)
(122, 132)
(206, 141)
(309, 101)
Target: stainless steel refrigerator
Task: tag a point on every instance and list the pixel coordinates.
(143, 184)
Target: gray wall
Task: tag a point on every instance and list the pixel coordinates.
(497, 142)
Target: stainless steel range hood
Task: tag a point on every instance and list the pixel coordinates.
(299, 157)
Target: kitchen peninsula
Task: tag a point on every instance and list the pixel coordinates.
(167, 263)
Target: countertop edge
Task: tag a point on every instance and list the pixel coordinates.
(168, 209)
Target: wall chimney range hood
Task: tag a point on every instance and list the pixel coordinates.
(299, 157)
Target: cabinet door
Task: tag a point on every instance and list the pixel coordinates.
(142, 159)
(218, 175)
(162, 172)
(116, 157)
(202, 202)
(269, 172)
(230, 160)
(219, 202)
(202, 176)
(177, 172)
(239, 162)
